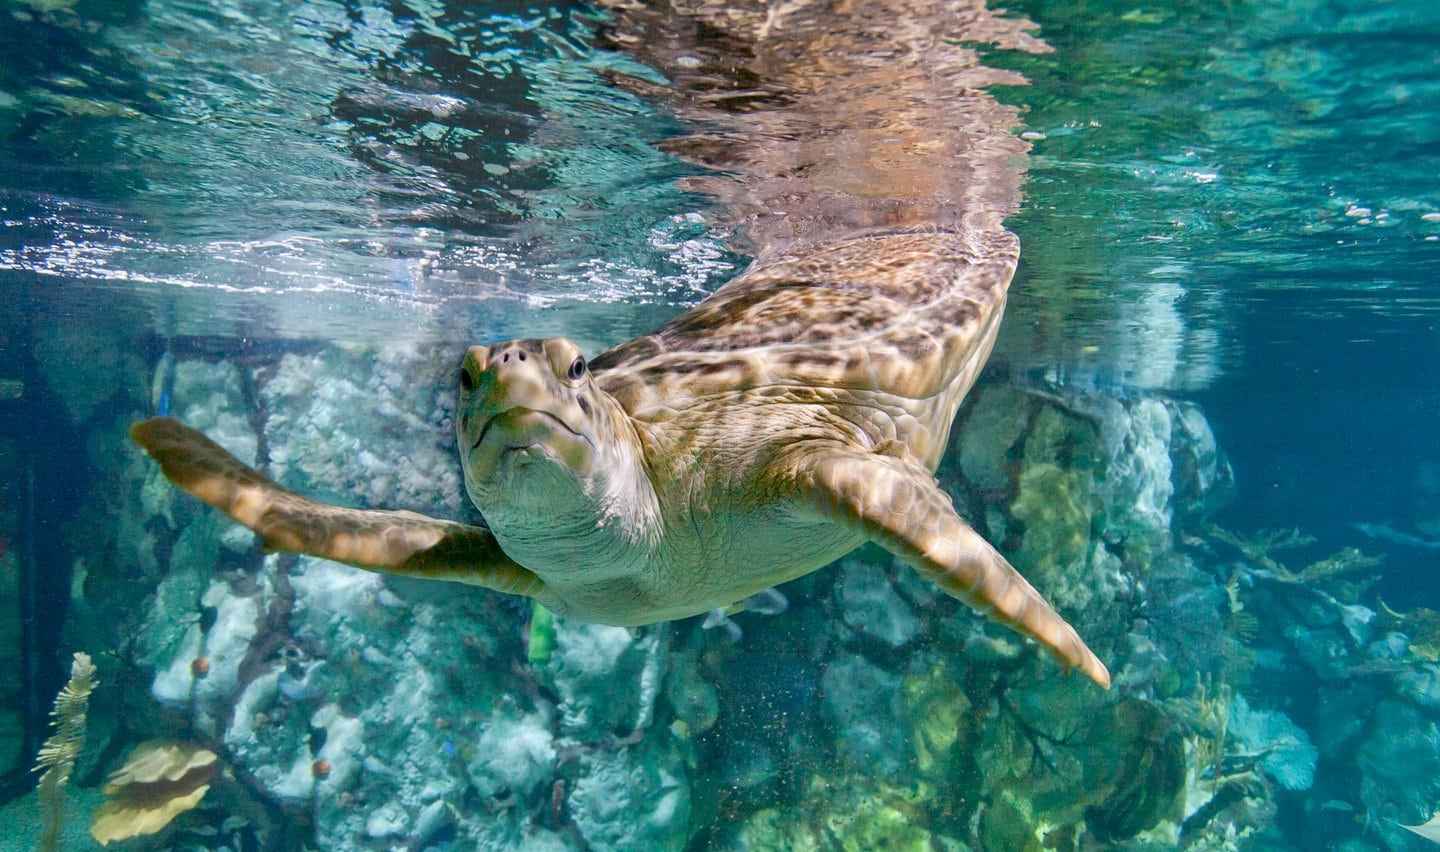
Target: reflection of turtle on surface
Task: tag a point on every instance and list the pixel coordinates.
(792, 416)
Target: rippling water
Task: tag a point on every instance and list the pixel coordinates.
(1214, 171)
(1194, 168)
(322, 170)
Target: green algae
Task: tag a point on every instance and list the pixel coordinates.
(937, 708)
(874, 824)
(1053, 504)
(542, 636)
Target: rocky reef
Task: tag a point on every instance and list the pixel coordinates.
(1262, 698)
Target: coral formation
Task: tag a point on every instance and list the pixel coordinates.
(870, 713)
(1282, 749)
(159, 781)
(1152, 775)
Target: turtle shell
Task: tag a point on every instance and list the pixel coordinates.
(899, 313)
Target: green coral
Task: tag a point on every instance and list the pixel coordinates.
(842, 815)
(1152, 774)
(773, 829)
(874, 824)
(937, 708)
(1009, 823)
(1055, 499)
(1062, 439)
(542, 635)
(1053, 504)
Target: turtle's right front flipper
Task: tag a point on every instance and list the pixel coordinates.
(898, 504)
(393, 542)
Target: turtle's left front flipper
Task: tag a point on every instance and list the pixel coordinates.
(898, 505)
(393, 542)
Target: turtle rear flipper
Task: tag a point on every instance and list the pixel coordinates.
(396, 542)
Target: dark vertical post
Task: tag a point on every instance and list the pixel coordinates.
(30, 581)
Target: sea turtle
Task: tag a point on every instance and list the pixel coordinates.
(797, 412)
(790, 417)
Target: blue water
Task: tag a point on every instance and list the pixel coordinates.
(1267, 212)
(1232, 205)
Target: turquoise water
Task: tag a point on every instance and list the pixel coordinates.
(1230, 227)
(1268, 241)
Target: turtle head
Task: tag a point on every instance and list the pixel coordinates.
(535, 430)
(551, 459)
(526, 401)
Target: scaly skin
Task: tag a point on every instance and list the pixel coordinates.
(400, 542)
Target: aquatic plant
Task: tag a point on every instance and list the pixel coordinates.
(1259, 547)
(158, 781)
(1153, 776)
(1421, 626)
(58, 755)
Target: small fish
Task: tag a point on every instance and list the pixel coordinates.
(1387, 532)
(764, 602)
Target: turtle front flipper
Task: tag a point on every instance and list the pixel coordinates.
(899, 505)
(393, 542)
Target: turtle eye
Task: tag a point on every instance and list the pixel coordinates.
(576, 371)
(466, 382)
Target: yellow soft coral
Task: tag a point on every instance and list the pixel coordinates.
(159, 781)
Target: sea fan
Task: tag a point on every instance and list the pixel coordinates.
(1286, 753)
(57, 757)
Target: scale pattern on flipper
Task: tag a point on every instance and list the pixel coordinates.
(400, 542)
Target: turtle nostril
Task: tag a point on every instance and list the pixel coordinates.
(520, 354)
(466, 380)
